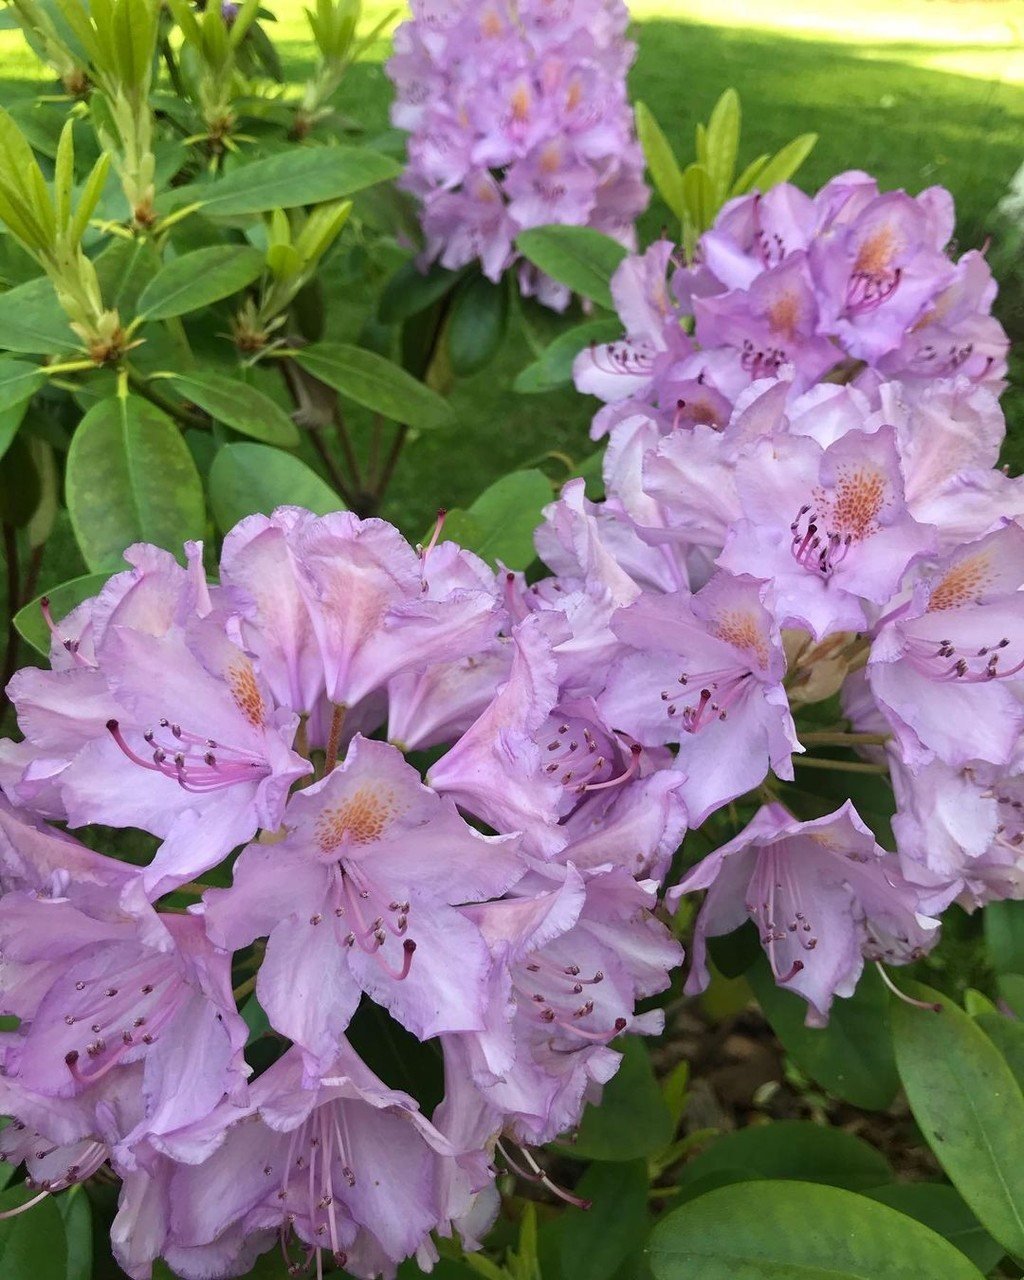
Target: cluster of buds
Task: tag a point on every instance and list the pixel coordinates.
(518, 117)
(802, 502)
(268, 736)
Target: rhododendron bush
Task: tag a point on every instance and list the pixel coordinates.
(360, 892)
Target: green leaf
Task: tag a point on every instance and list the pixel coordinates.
(234, 403)
(553, 368)
(661, 161)
(32, 1245)
(410, 291)
(1008, 1036)
(596, 1241)
(782, 165)
(10, 420)
(32, 321)
(295, 177)
(124, 269)
(798, 1231)
(970, 1108)
(580, 257)
(1004, 935)
(130, 478)
(723, 144)
(77, 1214)
(375, 383)
(477, 324)
(196, 279)
(633, 1119)
(852, 1057)
(794, 1149)
(500, 523)
(250, 478)
(940, 1208)
(30, 621)
(19, 381)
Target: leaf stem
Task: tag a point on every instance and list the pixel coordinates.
(841, 766)
(843, 739)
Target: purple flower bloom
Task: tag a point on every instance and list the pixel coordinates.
(705, 671)
(359, 896)
(823, 895)
(518, 117)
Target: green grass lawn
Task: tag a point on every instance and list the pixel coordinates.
(923, 92)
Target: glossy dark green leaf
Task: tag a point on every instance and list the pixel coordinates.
(943, 1210)
(553, 368)
(374, 382)
(798, 1231)
(234, 403)
(308, 175)
(969, 1107)
(795, 1150)
(32, 1244)
(476, 324)
(852, 1057)
(197, 279)
(250, 478)
(410, 291)
(130, 478)
(30, 621)
(633, 1119)
(500, 523)
(596, 1241)
(580, 257)
(32, 321)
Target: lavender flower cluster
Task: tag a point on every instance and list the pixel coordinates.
(518, 117)
(803, 505)
(241, 714)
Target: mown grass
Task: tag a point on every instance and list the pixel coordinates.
(866, 81)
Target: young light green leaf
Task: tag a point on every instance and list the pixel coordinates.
(64, 173)
(197, 279)
(375, 383)
(239, 406)
(88, 199)
(30, 621)
(970, 1108)
(794, 1150)
(723, 144)
(580, 257)
(748, 178)
(250, 478)
(130, 478)
(772, 1230)
(785, 162)
(661, 162)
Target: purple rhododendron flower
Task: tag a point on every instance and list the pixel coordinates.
(823, 895)
(517, 117)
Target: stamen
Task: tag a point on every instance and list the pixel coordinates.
(902, 995)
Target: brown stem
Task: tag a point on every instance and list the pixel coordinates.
(337, 479)
(346, 446)
(392, 460)
(184, 417)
